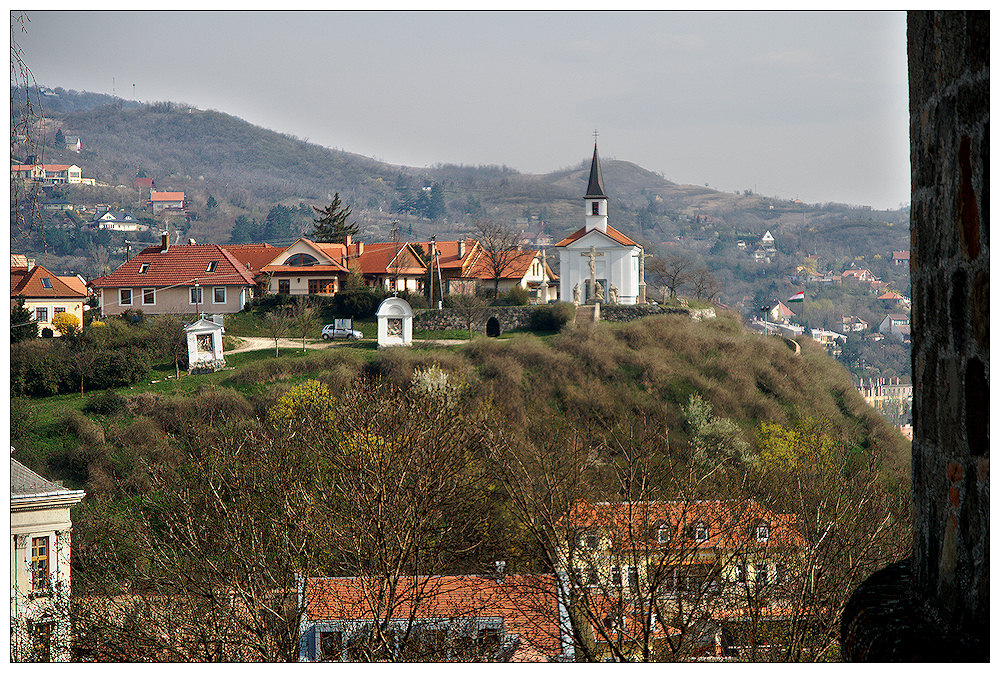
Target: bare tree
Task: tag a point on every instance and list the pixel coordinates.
(471, 308)
(499, 249)
(277, 324)
(704, 284)
(302, 315)
(676, 273)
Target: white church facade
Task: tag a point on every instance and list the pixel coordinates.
(598, 263)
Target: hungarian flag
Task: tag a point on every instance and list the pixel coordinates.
(799, 296)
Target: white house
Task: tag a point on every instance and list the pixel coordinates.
(40, 528)
(598, 263)
(896, 325)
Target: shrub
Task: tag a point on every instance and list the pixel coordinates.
(518, 296)
(106, 403)
(360, 303)
(66, 323)
(121, 367)
(552, 317)
(89, 432)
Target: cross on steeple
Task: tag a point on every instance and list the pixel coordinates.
(595, 135)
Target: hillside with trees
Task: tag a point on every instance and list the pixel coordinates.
(289, 466)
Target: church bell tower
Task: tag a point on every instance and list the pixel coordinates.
(596, 200)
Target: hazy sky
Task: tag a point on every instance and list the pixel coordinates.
(796, 105)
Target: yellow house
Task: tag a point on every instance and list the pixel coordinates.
(46, 294)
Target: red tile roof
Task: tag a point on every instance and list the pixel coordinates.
(730, 523)
(179, 265)
(891, 295)
(29, 284)
(254, 256)
(449, 258)
(166, 196)
(377, 258)
(47, 167)
(901, 255)
(611, 233)
(527, 604)
(482, 268)
(314, 269)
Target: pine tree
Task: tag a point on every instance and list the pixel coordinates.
(60, 139)
(23, 325)
(332, 226)
(437, 206)
(211, 203)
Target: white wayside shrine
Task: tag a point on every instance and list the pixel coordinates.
(395, 323)
(598, 263)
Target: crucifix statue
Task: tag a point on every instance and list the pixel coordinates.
(543, 287)
(642, 275)
(593, 255)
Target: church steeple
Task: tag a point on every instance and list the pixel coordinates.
(595, 188)
(595, 200)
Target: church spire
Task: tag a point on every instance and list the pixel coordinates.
(595, 188)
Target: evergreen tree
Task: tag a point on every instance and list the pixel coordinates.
(60, 139)
(332, 226)
(211, 203)
(242, 230)
(23, 325)
(278, 224)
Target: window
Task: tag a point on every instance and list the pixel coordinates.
(741, 573)
(779, 573)
(592, 579)
(301, 259)
(595, 208)
(211, 266)
(488, 640)
(197, 296)
(42, 313)
(616, 576)
(40, 563)
(125, 296)
(148, 296)
(588, 540)
(761, 572)
(763, 532)
(663, 533)
(218, 295)
(57, 310)
(41, 642)
(47, 283)
(330, 643)
(143, 268)
(284, 286)
(633, 578)
(322, 286)
(700, 532)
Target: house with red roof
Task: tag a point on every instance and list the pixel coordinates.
(454, 260)
(598, 263)
(170, 279)
(470, 618)
(893, 299)
(160, 201)
(779, 313)
(657, 561)
(306, 268)
(528, 269)
(390, 266)
(45, 294)
(51, 174)
(900, 257)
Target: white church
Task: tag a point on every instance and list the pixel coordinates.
(598, 263)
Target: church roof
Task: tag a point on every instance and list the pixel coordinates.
(611, 233)
(595, 187)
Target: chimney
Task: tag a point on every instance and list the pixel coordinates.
(347, 239)
(31, 263)
(461, 248)
(190, 241)
(164, 241)
(361, 248)
(500, 565)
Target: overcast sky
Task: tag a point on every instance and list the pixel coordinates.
(795, 105)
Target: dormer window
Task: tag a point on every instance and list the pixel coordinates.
(211, 266)
(663, 533)
(763, 532)
(700, 532)
(143, 268)
(47, 283)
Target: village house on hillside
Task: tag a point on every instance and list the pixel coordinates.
(454, 259)
(502, 618)
(169, 201)
(528, 270)
(45, 294)
(40, 571)
(50, 174)
(118, 221)
(896, 326)
(170, 279)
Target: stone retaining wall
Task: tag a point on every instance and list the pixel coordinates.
(518, 317)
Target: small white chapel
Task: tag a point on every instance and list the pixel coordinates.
(598, 263)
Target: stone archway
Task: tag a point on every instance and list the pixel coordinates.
(493, 327)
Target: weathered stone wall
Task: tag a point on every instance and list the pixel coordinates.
(935, 605)
(516, 317)
(950, 275)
